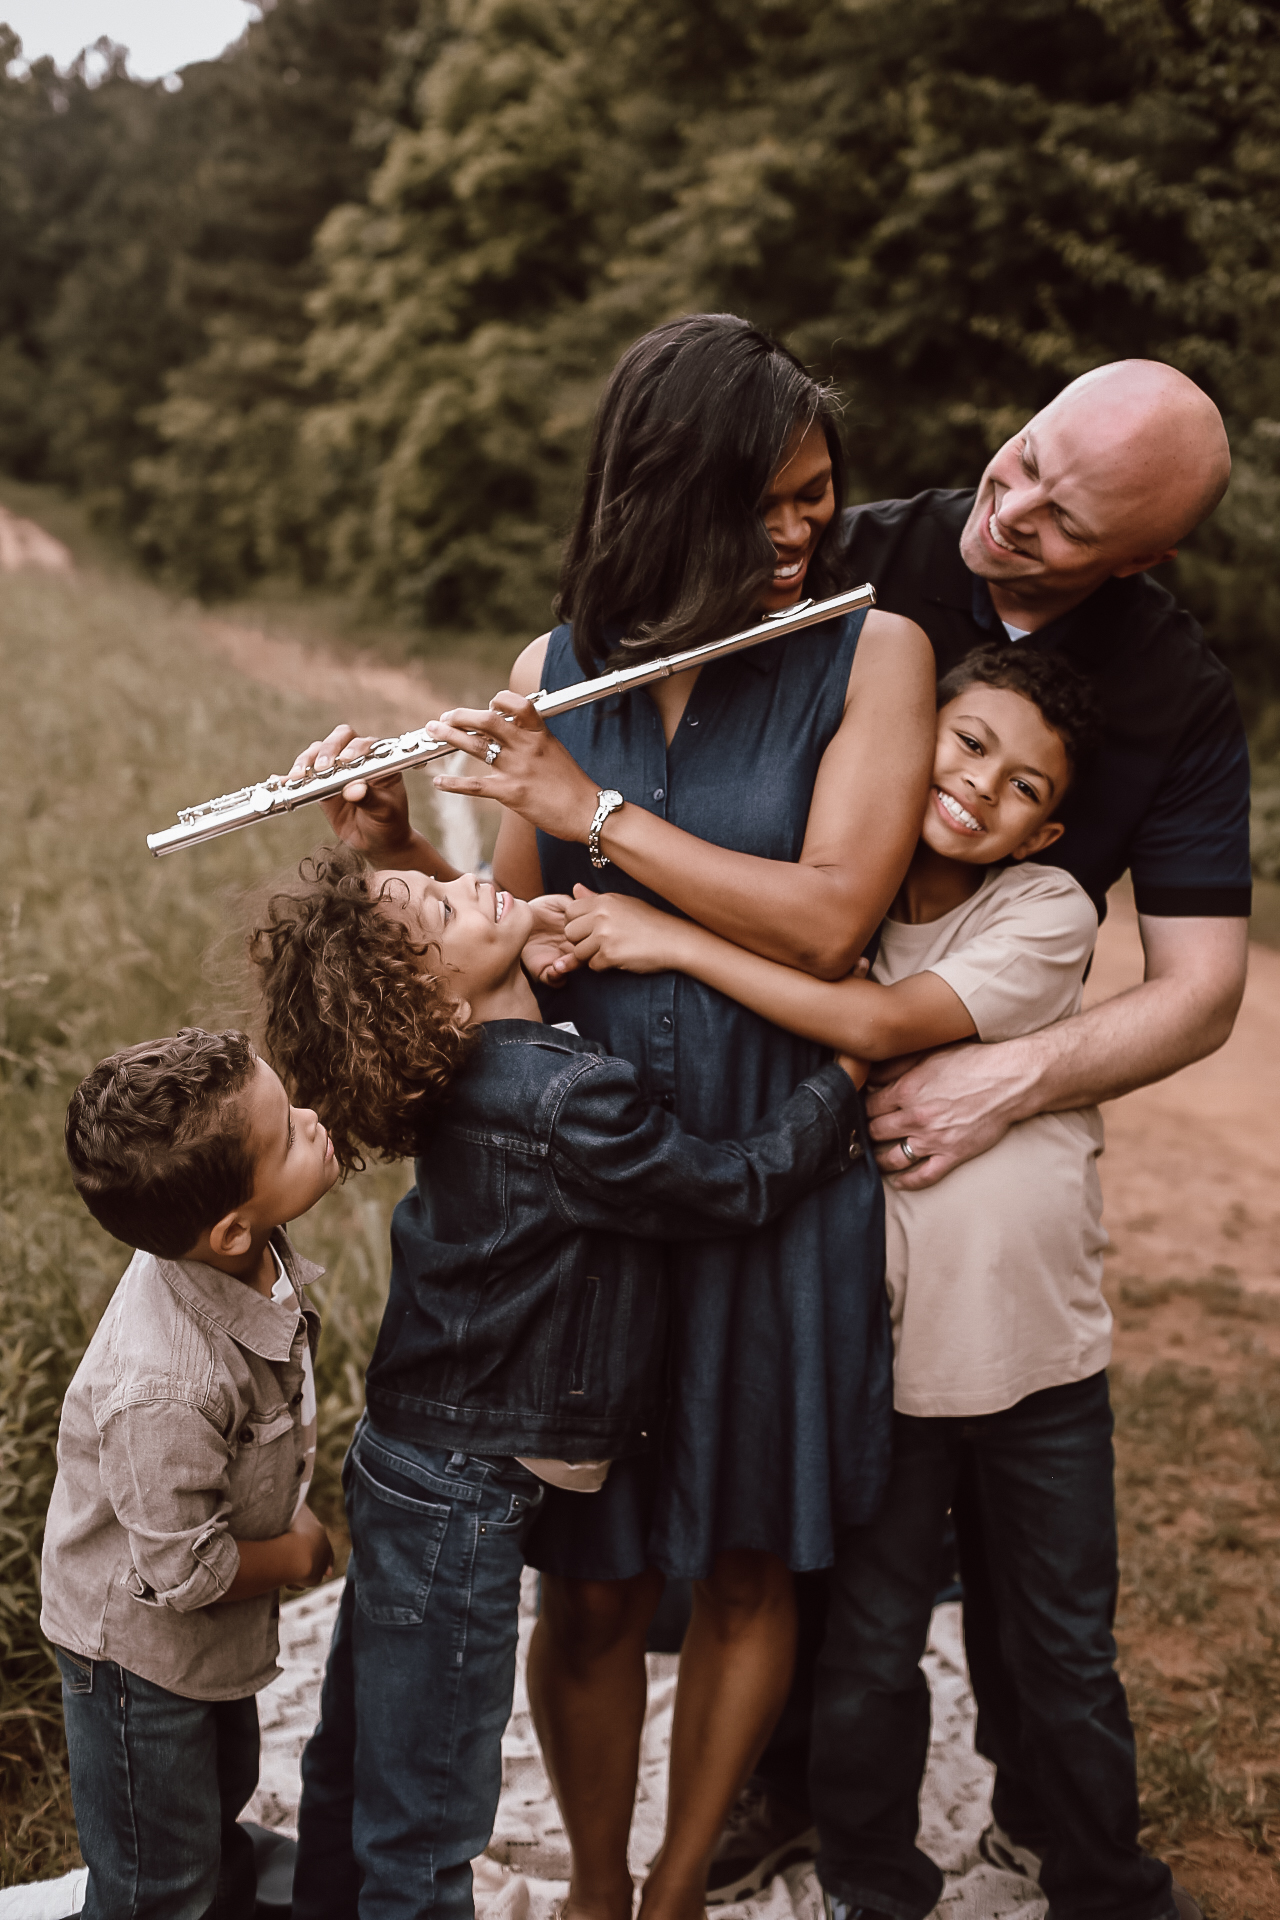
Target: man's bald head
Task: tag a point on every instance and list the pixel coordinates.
(1155, 434)
(1105, 480)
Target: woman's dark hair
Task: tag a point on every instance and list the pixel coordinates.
(158, 1140)
(353, 1024)
(1065, 699)
(669, 547)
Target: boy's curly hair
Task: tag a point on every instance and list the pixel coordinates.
(1065, 699)
(158, 1139)
(353, 1023)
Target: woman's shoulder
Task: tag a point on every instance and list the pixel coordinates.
(891, 640)
(528, 675)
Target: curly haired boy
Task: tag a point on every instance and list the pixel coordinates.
(522, 1340)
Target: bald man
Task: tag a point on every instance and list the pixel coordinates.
(1052, 552)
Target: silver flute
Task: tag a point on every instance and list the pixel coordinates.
(281, 793)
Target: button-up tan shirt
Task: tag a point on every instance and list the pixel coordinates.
(181, 1432)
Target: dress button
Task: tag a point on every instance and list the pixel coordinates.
(666, 1021)
(659, 793)
(246, 1435)
(855, 1148)
(692, 720)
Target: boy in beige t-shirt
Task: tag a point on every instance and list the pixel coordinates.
(1001, 1336)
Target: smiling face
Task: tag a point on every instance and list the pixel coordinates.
(1103, 482)
(797, 509)
(999, 771)
(1051, 523)
(293, 1159)
(474, 931)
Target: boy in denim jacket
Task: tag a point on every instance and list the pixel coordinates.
(184, 1459)
(522, 1340)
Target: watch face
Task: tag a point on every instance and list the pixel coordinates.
(610, 797)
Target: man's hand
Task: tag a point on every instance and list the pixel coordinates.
(948, 1106)
(548, 953)
(613, 930)
(372, 816)
(957, 1103)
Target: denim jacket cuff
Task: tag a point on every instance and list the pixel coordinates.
(833, 1087)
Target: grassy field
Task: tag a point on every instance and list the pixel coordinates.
(115, 716)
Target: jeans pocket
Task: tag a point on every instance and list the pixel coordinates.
(395, 1543)
(516, 1505)
(77, 1672)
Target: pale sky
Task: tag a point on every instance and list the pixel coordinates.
(161, 35)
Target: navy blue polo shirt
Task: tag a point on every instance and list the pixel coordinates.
(1167, 797)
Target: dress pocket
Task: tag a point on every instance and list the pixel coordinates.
(395, 1545)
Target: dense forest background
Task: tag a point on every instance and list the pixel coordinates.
(336, 308)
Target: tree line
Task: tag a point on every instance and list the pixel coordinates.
(337, 309)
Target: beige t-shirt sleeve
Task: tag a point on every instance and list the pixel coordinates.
(1022, 967)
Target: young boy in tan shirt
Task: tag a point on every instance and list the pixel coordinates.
(184, 1457)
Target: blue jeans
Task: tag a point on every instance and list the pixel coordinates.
(400, 1780)
(158, 1782)
(1034, 1497)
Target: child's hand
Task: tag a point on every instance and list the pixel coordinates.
(548, 955)
(373, 818)
(613, 930)
(315, 1549)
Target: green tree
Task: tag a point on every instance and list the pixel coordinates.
(471, 304)
(276, 129)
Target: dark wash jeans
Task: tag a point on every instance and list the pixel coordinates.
(1034, 1497)
(400, 1780)
(158, 1782)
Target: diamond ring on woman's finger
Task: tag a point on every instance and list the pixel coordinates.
(491, 753)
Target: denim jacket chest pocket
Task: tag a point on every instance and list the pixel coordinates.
(264, 1471)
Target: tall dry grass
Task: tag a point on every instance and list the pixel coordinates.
(114, 716)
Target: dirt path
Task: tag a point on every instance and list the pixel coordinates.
(361, 689)
(1189, 1172)
(24, 544)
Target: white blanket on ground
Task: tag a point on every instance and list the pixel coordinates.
(525, 1867)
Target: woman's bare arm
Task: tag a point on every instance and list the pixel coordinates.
(854, 1016)
(816, 913)
(516, 865)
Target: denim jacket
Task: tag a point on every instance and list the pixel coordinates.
(181, 1432)
(526, 1307)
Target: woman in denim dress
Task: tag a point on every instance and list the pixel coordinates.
(774, 796)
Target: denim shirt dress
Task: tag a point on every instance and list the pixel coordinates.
(780, 1392)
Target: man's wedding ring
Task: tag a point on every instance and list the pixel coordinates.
(491, 753)
(909, 1150)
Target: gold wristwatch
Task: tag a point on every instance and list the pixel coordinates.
(608, 801)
